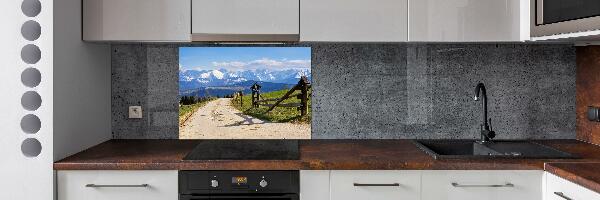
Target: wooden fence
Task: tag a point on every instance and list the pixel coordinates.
(303, 86)
(238, 96)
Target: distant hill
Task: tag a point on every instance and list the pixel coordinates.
(227, 90)
(203, 79)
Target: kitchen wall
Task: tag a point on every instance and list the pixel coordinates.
(81, 84)
(383, 90)
(588, 83)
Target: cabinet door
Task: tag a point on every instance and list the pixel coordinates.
(117, 185)
(136, 20)
(375, 185)
(235, 20)
(468, 21)
(560, 189)
(482, 185)
(354, 20)
(314, 185)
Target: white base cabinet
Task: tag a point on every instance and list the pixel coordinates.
(314, 184)
(482, 185)
(117, 185)
(375, 185)
(421, 185)
(341, 185)
(560, 189)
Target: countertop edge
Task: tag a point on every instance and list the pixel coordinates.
(572, 176)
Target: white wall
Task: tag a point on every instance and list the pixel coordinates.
(23, 177)
(82, 86)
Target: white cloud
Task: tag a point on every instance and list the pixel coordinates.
(199, 68)
(264, 63)
(234, 64)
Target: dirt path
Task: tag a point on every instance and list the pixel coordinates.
(219, 120)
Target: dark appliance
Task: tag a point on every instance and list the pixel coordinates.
(239, 185)
(551, 17)
(245, 150)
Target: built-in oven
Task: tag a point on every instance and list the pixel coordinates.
(239, 185)
(552, 17)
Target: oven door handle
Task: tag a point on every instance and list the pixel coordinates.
(253, 197)
(241, 197)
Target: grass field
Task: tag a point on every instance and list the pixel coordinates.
(279, 114)
(186, 111)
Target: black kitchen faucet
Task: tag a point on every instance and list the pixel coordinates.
(487, 134)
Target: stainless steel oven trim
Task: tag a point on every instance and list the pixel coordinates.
(241, 197)
(573, 26)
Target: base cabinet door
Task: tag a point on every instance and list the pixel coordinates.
(375, 185)
(117, 185)
(560, 189)
(482, 185)
(314, 184)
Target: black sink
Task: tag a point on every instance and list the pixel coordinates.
(469, 149)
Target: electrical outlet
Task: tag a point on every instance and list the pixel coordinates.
(135, 112)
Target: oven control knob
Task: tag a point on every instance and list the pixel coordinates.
(214, 183)
(263, 183)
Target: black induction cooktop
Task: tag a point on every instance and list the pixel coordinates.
(245, 150)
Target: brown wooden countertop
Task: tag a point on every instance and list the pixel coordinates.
(314, 155)
(584, 174)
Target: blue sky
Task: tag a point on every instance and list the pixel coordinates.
(244, 58)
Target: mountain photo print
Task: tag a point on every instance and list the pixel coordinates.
(245, 92)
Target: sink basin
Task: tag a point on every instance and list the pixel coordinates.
(469, 149)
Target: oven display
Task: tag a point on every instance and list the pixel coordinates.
(239, 180)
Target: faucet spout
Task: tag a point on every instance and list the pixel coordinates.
(480, 94)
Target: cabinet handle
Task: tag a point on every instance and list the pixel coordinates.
(562, 195)
(376, 184)
(115, 186)
(470, 186)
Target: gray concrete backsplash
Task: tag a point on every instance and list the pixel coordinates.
(383, 91)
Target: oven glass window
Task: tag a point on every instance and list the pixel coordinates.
(554, 11)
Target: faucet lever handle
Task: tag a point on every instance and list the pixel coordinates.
(491, 129)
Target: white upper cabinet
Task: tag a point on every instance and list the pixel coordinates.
(468, 20)
(136, 20)
(354, 20)
(307, 20)
(245, 20)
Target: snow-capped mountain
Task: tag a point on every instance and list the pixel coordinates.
(191, 79)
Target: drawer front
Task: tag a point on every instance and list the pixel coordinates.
(560, 189)
(117, 185)
(375, 185)
(482, 185)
